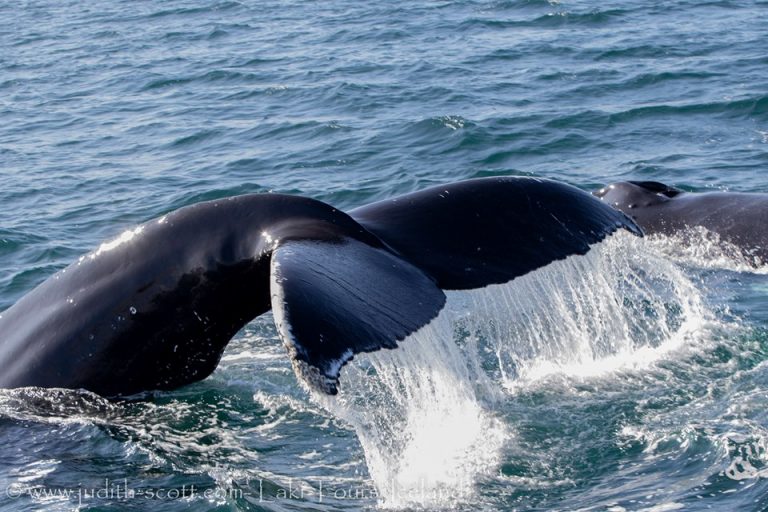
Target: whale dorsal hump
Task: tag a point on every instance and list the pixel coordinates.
(658, 188)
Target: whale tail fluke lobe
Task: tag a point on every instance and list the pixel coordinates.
(332, 300)
(485, 231)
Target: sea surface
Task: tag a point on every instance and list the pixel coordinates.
(632, 379)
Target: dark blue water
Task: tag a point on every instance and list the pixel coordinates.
(116, 112)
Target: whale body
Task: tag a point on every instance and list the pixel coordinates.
(155, 308)
(738, 219)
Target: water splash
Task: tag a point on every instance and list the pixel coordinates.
(621, 305)
(424, 413)
(699, 247)
(420, 419)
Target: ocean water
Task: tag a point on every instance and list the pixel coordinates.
(632, 379)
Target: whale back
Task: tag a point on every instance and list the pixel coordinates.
(738, 219)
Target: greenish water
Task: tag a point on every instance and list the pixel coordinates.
(638, 388)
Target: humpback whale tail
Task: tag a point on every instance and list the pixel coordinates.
(156, 310)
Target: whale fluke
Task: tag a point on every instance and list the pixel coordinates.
(155, 308)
